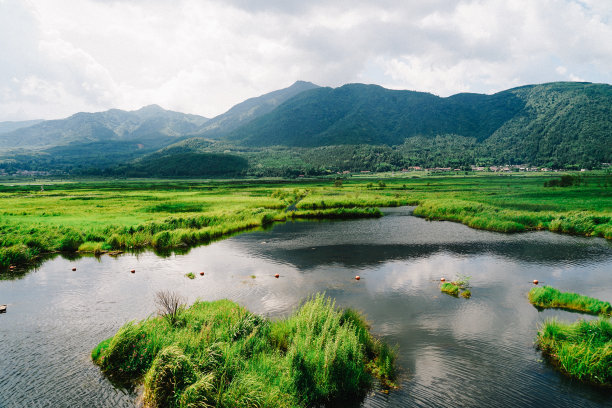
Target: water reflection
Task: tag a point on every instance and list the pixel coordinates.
(453, 352)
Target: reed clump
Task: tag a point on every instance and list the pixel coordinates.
(220, 354)
(549, 297)
(582, 350)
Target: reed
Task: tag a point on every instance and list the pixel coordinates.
(581, 350)
(549, 297)
(220, 354)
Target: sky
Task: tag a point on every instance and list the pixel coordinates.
(59, 57)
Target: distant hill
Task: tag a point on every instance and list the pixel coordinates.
(6, 127)
(560, 123)
(250, 109)
(187, 158)
(306, 129)
(370, 114)
(555, 123)
(148, 125)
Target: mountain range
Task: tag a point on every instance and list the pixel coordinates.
(307, 128)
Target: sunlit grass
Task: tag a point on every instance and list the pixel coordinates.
(582, 350)
(220, 354)
(546, 296)
(98, 216)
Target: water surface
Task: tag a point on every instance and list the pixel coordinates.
(452, 352)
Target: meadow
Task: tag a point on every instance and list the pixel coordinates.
(97, 216)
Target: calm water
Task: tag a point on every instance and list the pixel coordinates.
(453, 352)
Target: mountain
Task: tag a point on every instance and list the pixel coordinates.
(6, 127)
(250, 109)
(560, 123)
(548, 124)
(148, 125)
(370, 114)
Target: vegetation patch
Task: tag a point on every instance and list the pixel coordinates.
(549, 297)
(582, 350)
(167, 215)
(220, 354)
(458, 287)
(175, 207)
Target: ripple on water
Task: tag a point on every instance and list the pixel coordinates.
(452, 352)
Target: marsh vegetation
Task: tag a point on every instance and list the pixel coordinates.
(220, 354)
(549, 297)
(100, 216)
(582, 350)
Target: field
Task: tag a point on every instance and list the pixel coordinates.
(100, 216)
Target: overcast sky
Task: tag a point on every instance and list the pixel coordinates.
(58, 57)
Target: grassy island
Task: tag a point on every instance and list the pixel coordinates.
(218, 354)
(458, 287)
(582, 350)
(549, 297)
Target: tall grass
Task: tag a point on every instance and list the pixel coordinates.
(546, 296)
(220, 354)
(582, 350)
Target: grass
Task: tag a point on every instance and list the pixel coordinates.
(219, 354)
(458, 287)
(582, 350)
(101, 216)
(449, 288)
(549, 297)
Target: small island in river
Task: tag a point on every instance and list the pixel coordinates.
(220, 354)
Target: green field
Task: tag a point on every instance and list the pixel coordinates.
(98, 216)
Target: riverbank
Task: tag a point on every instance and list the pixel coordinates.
(100, 216)
(220, 354)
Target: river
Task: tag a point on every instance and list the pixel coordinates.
(452, 351)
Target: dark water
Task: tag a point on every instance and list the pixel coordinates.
(452, 352)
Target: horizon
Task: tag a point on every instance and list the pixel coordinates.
(297, 81)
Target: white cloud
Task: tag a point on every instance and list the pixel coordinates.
(204, 56)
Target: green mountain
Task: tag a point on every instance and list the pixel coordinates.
(188, 158)
(560, 124)
(549, 124)
(148, 125)
(357, 113)
(250, 109)
(305, 129)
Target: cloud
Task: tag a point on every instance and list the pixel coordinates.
(204, 56)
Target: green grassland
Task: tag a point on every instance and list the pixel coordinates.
(98, 216)
(219, 354)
